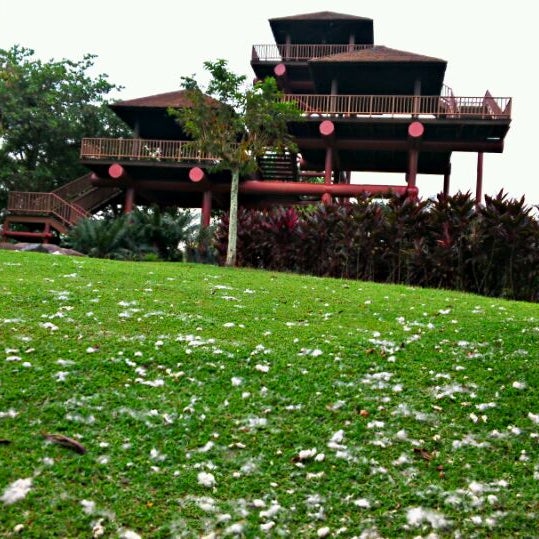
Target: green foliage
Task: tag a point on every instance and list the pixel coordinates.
(102, 238)
(505, 260)
(144, 234)
(236, 124)
(162, 231)
(46, 108)
(442, 243)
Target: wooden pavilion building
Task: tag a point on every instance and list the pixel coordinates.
(367, 108)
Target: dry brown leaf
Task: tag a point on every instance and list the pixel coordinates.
(64, 441)
(423, 453)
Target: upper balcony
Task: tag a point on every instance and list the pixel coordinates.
(300, 52)
(404, 106)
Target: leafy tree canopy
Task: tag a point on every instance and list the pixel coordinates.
(236, 124)
(46, 108)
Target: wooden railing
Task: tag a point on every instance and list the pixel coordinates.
(383, 106)
(300, 52)
(45, 204)
(394, 106)
(143, 150)
(97, 197)
(74, 188)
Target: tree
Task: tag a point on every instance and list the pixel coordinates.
(45, 110)
(236, 125)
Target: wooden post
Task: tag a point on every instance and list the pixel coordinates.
(412, 167)
(417, 94)
(46, 233)
(129, 199)
(447, 176)
(351, 42)
(327, 130)
(479, 182)
(415, 132)
(206, 209)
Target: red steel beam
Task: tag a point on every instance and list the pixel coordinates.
(295, 188)
(263, 187)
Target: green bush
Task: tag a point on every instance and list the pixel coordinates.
(144, 234)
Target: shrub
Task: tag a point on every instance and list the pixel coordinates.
(446, 242)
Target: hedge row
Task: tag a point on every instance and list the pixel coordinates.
(447, 242)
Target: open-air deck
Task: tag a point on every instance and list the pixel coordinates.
(339, 108)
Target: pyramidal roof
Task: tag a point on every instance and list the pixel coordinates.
(177, 99)
(377, 53)
(321, 16)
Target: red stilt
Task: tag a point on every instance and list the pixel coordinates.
(415, 132)
(206, 209)
(446, 183)
(129, 200)
(479, 183)
(46, 233)
(412, 173)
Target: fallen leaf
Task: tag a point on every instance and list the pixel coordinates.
(64, 441)
(423, 453)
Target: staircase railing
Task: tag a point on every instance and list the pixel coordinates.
(97, 197)
(45, 204)
(75, 188)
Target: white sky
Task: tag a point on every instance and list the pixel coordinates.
(147, 46)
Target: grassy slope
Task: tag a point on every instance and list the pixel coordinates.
(420, 407)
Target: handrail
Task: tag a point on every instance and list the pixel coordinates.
(49, 203)
(294, 52)
(393, 106)
(144, 150)
(97, 197)
(74, 187)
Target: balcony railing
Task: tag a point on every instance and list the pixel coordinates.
(144, 150)
(395, 106)
(369, 106)
(300, 52)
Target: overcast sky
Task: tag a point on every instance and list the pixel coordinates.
(147, 46)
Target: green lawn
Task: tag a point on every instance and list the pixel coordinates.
(216, 402)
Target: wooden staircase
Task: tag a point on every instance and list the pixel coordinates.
(39, 217)
(278, 166)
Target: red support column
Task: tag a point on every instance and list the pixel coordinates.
(446, 183)
(327, 130)
(415, 132)
(129, 199)
(412, 173)
(46, 233)
(206, 209)
(479, 183)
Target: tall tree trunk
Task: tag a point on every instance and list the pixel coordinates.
(233, 220)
